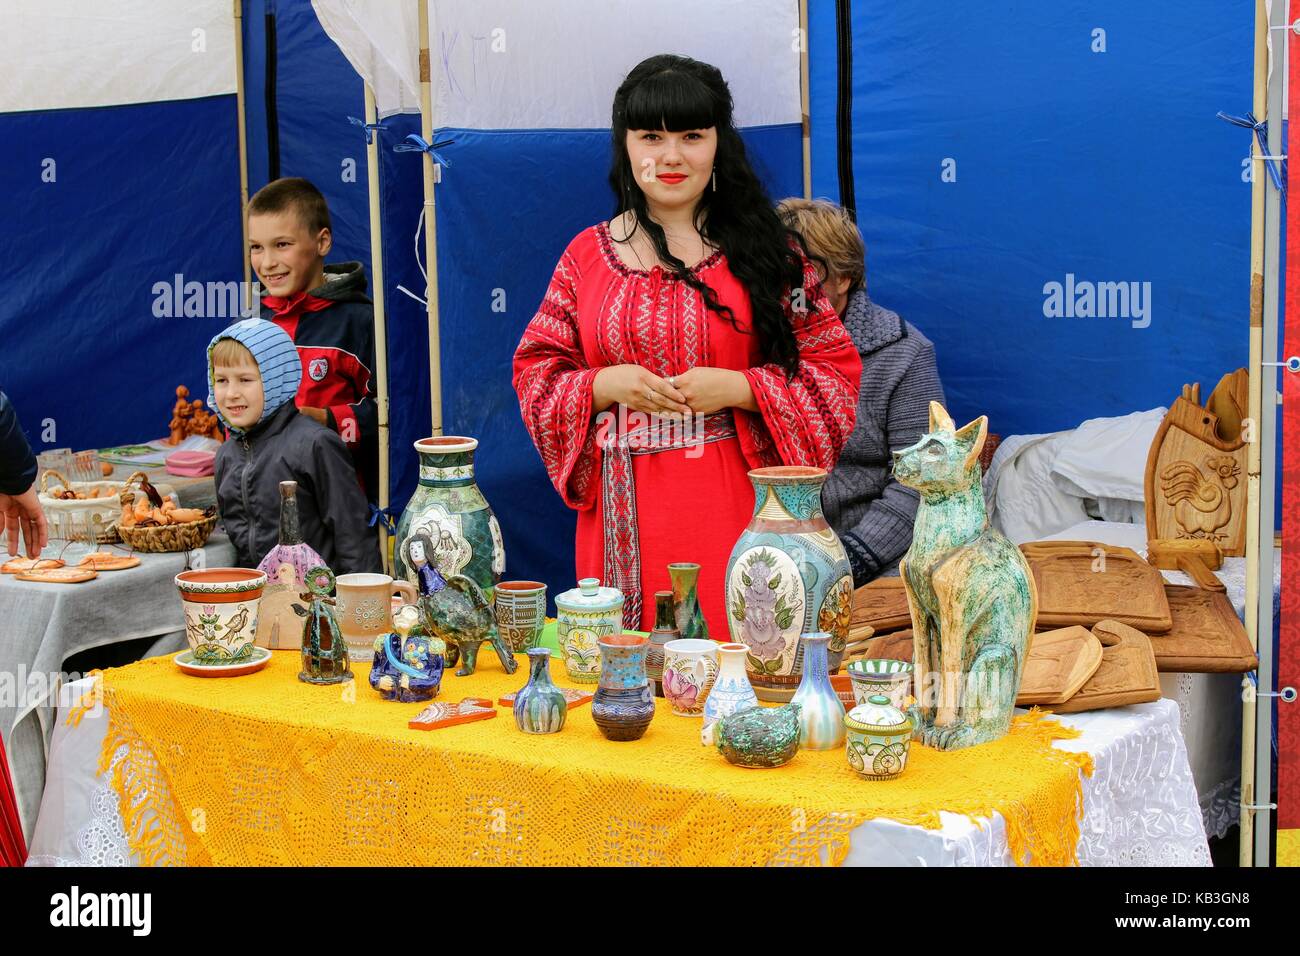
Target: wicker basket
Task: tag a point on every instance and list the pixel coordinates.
(82, 510)
(163, 538)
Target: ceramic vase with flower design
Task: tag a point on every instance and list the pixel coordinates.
(821, 714)
(788, 575)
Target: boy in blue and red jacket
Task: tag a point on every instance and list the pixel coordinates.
(324, 310)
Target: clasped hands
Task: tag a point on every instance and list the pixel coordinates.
(698, 391)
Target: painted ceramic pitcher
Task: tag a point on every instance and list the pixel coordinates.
(788, 575)
(624, 704)
(450, 509)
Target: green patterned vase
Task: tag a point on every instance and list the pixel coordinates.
(449, 508)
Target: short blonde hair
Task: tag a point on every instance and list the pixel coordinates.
(829, 233)
(232, 354)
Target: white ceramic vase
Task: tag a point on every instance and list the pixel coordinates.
(732, 690)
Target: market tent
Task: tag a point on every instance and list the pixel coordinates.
(969, 210)
(118, 175)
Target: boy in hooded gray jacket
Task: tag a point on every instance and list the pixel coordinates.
(253, 375)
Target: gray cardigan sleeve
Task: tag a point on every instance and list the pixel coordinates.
(343, 507)
(884, 533)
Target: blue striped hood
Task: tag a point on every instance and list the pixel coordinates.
(277, 360)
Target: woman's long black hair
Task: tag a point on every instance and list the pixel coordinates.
(676, 93)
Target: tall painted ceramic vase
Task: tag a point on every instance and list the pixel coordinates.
(731, 692)
(788, 575)
(449, 508)
(584, 616)
(821, 714)
(624, 704)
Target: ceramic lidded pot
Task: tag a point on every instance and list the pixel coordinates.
(585, 615)
(875, 676)
(731, 691)
(759, 736)
(221, 606)
(821, 720)
(878, 738)
(541, 707)
(788, 575)
(624, 704)
(450, 509)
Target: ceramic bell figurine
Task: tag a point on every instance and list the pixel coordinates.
(408, 663)
(324, 652)
(878, 736)
(456, 610)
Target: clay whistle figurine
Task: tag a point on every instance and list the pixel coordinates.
(324, 652)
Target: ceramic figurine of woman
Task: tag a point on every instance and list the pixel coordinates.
(419, 555)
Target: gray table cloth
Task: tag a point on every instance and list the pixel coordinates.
(42, 625)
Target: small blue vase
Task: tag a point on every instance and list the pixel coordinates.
(821, 715)
(540, 708)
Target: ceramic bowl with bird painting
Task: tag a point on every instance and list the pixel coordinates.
(221, 607)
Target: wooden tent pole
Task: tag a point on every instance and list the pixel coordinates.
(1259, 180)
(430, 224)
(804, 99)
(241, 116)
(381, 319)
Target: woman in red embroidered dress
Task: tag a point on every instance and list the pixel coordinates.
(679, 345)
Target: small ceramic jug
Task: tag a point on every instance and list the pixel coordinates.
(665, 630)
(731, 691)
(624, 705)
(364, 609)
(540, 708)
(584, 615)
(878, 738)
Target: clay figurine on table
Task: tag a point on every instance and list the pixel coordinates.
(408, 663)
(324, 652)
(455, 609)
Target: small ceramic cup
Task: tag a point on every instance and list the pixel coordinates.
(891, 678)
(364, 609)
(520, 608)
(690, 668)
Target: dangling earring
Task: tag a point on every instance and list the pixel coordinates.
(715, 179)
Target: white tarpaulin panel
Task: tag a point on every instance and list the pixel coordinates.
(57, 54)
(504, 64)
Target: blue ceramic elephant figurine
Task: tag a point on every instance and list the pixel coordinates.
(969, 589)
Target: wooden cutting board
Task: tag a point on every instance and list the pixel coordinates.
(881, 603)
(1207, 637)
(1059, 663)
(1127, 674)
(1072, 588)
(896, 645)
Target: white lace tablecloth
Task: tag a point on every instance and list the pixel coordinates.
(1139, 806)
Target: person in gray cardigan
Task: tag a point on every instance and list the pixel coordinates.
(870, 511)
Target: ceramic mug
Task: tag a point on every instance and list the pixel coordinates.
(221, 606)
(891, 678)
(520, 608)
(690, 668)
(364, 609)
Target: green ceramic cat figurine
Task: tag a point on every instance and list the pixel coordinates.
(970, 591)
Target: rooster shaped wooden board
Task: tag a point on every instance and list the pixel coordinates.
(1196, 469)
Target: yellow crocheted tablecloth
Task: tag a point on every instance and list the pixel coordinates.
(263, 770)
